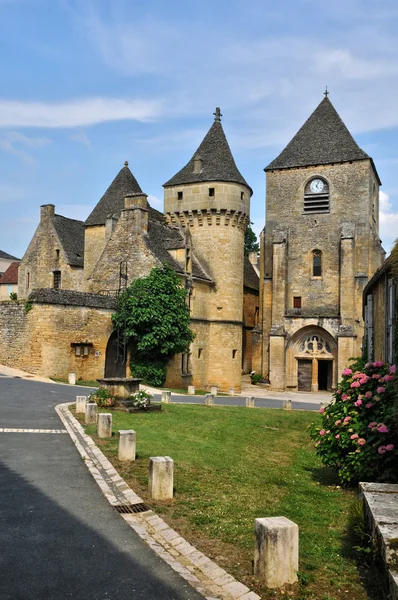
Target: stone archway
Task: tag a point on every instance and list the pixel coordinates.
(114, 364)
(311, 360)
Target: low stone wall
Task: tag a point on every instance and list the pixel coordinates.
(381, 510)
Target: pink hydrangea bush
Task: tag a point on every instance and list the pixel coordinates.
(358, 436)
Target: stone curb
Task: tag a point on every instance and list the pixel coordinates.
(202, 573)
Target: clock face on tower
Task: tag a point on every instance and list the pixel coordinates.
(316, 186)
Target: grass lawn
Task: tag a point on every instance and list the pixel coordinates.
(235, 464)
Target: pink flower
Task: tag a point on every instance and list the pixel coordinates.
(380, 389)
(317, 444)
(322, 410)
(388, 377)
(393, 369)
(368, 395)
(378, 363)
(322, 432)
(355, 384)
(376, 376)
(358, 403)
(354, 436)
(337, 436)
(344, 397)
(347, 419)
(390, 447)
(381, 450)
(337, 422)
(347, 372)
(361, 441)
(372, 425)
(364, 380)
(382, 428)
(369, 405)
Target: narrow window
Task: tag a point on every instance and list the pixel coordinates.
(57, 253)
(234, 353)
(297, 304)
(256, 314)
(78, 350)
(57, 280)
(85, 350)
(180, 195)
(211, 192)
(242, 195)
(200, 350)
(185, 364)
(317, 263)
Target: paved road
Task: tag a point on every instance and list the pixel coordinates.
(59, 537)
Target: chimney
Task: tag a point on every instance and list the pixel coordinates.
(136, 210)
(197, 163)
(47, 212)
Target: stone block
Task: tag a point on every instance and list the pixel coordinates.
(231, 391)
(287, 404)
(81, 402)
(166, 397)
(213, 390)
(104, 425)
(209, 400)
(72, 378)
(250, 402)
(126, 444)
(161, 477)
(91, 413)
(191, 390)
(276, 551)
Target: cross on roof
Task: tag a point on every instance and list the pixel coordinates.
(326, 92)
(217, 114)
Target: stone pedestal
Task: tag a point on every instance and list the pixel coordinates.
(120, 387)
(276, 551)
(209, 400)
(161, 477)
(191, 390)
(81, 402)
(72, 378)
(166, 397)
(91, 413)
(250, 402)
(287, 404)
(126, 444)
(104, 425)
(213, 390)
(231, 391)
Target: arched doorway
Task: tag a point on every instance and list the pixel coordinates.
(311, 360)
(115, 366)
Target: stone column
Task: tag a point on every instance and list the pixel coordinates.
(126, 444)
(166, 397)
(250, 402)
(191, 390)
(276, 551)
(72, 378)
(314, 381)
(277, 362)
(161, 477)
(91, 413)
(104, 429)
(81, 402)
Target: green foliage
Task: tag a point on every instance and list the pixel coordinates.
(251, 243)
(13, 296)
(157, 321)
(359, 434)
(141, 399)
(103, 398)
(28, 306)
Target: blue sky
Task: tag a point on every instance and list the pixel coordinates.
(88, 84)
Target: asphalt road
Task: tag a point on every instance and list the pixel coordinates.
(59, 537)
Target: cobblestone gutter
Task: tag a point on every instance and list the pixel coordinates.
(202, 573)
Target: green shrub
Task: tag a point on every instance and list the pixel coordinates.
(359, 434)
(153, 373)
(13, 296)
(103, 398)
(255, 378)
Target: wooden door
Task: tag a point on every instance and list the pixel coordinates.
(114, 367)
(304, 375)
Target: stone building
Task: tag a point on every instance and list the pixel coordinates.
(319, 248)
(5, 261)
(380, 312)
(9, 281)
(72, 272)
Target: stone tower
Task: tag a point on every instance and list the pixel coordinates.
(210, 198)
(319, 248)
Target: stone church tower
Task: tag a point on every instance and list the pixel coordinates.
(211, 199)
(320, 246)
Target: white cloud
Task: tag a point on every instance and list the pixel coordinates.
(75, 113)
(155, 202)
(81, 138)
(12, 141)
(388, 221)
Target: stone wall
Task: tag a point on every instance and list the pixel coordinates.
(250, 319)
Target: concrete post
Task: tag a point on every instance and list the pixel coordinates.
(287, 404)
(72, 378)
(81, 402)
(166, 397)
(91, 413)
(126, 444)
(209, 400)
(276, 551)
(104, 429)
(231, 391)
(250, 402)
(213, 390)
(191, 390)
(161, 476)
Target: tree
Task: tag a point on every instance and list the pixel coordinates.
(251, 243)
(157, 321)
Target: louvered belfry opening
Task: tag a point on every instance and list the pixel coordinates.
(316, 202)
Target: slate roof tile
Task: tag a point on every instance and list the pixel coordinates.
(71, 236)
(250, 277)
(71, 298)
(8, 256)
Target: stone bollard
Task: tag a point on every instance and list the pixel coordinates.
(209, 400)
(166, 397)
(231, 391)
(276, 551)
(161, 476)
(91, 413)
(126, 444)
(104, 429)
(287, 404)
(81, 402)
(250, 402)
(213, 390)
(191, 390)
(72, 378)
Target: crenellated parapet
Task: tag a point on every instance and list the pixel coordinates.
(209, 218)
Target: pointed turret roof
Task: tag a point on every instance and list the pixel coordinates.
(112, 201)
(215, 159)
(323, 139)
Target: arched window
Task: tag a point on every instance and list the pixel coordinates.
(316, 196)
(316, 263)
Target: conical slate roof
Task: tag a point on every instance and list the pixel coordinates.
(217, 161)
(113, 200)
(323, 139)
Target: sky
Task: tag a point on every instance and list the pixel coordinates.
(88, 84)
